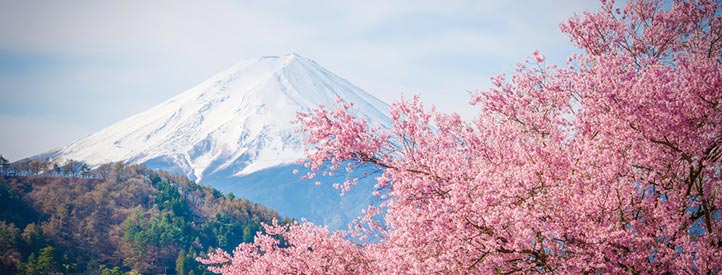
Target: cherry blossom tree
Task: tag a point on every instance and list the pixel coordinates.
(292, 249)
(609, 164)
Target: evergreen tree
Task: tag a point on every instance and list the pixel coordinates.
(31, 266)
(84, 170)
(56, 169)
(113, 271)
(9, 255)
(46, 262)
(180, 263)
(4, 163)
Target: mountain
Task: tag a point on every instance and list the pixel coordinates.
(234, 132)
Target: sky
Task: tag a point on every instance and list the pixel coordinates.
(70, 68)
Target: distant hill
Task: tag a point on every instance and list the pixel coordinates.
(67, 218)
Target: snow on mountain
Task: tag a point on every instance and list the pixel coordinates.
(233, 127)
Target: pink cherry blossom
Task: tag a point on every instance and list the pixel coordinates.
(609, 164)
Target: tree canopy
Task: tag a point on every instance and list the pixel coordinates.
(607, 164)
(115, 218)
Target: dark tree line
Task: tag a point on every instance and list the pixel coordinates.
(36, 167)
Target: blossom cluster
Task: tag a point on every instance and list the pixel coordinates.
(609, 164)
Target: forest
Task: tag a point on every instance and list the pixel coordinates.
(115, 219)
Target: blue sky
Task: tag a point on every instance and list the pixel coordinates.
(69, 68)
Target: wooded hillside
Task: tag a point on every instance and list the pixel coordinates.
(67, 218)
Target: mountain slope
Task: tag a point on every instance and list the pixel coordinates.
(118, 215)
(231, 127)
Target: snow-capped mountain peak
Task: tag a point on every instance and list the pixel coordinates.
(236, 123)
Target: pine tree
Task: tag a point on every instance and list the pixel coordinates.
(4, 163)
(31, 266)
(180, 263)
(46, 262)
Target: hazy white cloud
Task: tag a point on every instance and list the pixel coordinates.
(92, 63)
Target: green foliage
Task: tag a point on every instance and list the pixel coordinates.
(30, 266)
(45, 263)
(180, 263)
(10, 257)
(113, 271)
(118, 216)
(11, 207)
(33, 237)
(9, 235)
(168, 197)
